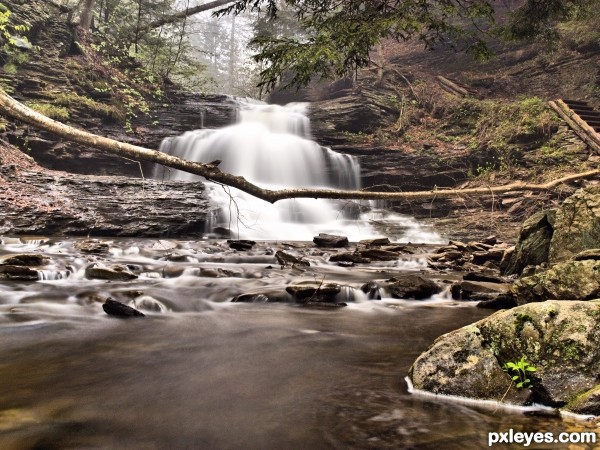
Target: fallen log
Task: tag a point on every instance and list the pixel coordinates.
(16, 110)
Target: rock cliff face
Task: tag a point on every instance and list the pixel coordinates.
(50, 203)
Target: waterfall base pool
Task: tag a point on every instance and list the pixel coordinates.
(207, 373)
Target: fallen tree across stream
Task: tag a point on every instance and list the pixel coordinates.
(16, 110)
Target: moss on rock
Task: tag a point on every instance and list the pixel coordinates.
(560, 338)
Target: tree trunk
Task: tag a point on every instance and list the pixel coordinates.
(231, 55)
(87, 14)
(16, 110)
(182, 15)
(380, 64)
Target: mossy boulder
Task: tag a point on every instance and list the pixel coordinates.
(586, 403)
(577, 225)
(559, 338)
(575, 280)
(556, 235)
(533, 245)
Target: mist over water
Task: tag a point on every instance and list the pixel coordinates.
(270, 146)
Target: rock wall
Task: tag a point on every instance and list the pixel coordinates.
(58, 204)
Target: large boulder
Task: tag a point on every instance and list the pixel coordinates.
(560, 339)
(577, 225)
(534, 242)
(412, 286)
(575, 280)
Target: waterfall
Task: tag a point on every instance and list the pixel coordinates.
(270, 146)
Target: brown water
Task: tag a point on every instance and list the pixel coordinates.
(209, 374)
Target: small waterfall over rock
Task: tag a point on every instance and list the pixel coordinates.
(270, 146)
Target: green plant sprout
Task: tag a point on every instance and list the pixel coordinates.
(519, 372)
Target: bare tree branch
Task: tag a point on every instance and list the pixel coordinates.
(182, 15)
(16, 110)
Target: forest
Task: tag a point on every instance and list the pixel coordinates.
(299, 223)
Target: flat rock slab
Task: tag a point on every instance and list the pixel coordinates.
(25, 259)
(241, 245)
(330, 240)
(18, 273)
(114, 273)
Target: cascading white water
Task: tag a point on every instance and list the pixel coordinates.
(270, 146)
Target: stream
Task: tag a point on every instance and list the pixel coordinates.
(202, 372)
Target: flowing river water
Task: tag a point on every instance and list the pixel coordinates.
(201, 372)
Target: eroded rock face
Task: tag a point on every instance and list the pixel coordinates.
(560, 339)
(577, 225)
(576, 280)
(47, 203)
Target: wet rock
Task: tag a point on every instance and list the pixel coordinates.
(574, 280)
(324, 305)
(458, 245)
(262, 297)
(490, 240)
(412, 287)
(330, 240)
(18, 273)
(577, 225)
(494, 255)
(587, 403)
(345, 264)
(171, 271)
(287, 259)
(459, 363)
(349, 257)
(377, 242)
(92, 246)
(372, 289)
(25, 259)
(451, 255)
(477, 247)
(533, 245)
(179, 257)
(500, 302)
(321, 293)
(559, 338)
(481, 290)
(478, 276)
(114, 273)
(250, 298)
(118, 309)
(506, 257)
(375, 254)
(241, 245)
(593, 253)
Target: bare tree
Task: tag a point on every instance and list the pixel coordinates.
(87, 14)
